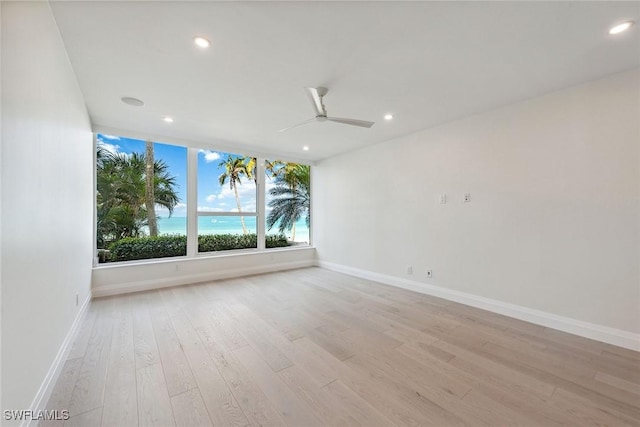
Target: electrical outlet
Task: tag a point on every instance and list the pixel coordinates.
(443, 199)
(177, 267)
(77, 299)
(429, 274)
(410, 270)
(466, 198)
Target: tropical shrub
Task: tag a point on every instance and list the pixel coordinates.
(225, 242)
(135, 248)
(132, 248)
(121, 194)
(276, 241)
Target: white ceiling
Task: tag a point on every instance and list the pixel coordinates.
(427, 63)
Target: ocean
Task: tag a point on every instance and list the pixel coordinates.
(224, 225)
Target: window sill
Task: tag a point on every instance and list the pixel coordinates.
(202, 256)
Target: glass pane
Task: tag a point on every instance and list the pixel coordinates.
(222, 233)
(287, 199)
(136, 220)
(226, 182)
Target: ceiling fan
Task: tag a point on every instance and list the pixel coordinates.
(315, 95)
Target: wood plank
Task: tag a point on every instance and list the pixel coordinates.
(189, 409)
(241, 320)
(569, 379)
(620, 383)
(485, 369)
(590, 411)
(251, 399)
(425, 406)
(432, 380)
(120, 400)
(289, 406)
(146, 348)
(363, 413)
(492, 413)
(88, 393)
(222, 406)
(63, 390)
(231, 337)
(177, 372)
(84, 333)
(368, 340)
(154, 405)
(304, 359)
(332, 341)
(90, 418)
(365, 386)
(325, 405)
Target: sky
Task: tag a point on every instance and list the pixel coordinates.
(211, 196)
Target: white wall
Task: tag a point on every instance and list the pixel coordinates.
(553, 223)
(47, 198)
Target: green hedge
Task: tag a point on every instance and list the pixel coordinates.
(131, 248)
(225, 242)
(276, 241)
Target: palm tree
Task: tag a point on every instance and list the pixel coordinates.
(235, 169)
(251, 168)
(121, 194)
(149, 199)
(291, 198)
(102, 155)
(274, 168)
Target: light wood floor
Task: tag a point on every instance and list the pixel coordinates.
(312, 347)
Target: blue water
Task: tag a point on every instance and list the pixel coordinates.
(225, 225)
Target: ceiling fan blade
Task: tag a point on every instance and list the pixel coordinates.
(299, 124)
(354, 122)
(314, 96)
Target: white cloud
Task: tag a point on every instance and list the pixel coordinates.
(209, 209)
(209, 156)
(111, 148)
(225, 198)
(248, 207)
(110, 137)
(246, 191)
(178, 210)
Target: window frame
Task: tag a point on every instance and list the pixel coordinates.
(192, 212)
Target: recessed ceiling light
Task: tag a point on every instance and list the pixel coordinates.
(620, 27)
(388, 116)
(305, 148)
(168, 119)
(201, 42)
(132, 101)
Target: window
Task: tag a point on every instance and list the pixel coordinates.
(226, 201)
(288, 198)
(140, 216)
(236, 201)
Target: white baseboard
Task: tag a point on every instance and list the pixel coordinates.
(46, 388)
(593, 331)
(145, 285)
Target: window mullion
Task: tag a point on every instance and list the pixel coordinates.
(192, 202)
(260, 162)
